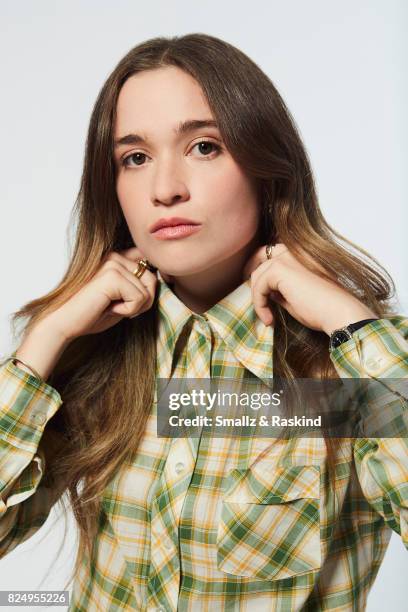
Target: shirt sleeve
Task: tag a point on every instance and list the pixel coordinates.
(379, 351)
(26, 405)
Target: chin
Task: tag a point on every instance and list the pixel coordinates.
(179, 273)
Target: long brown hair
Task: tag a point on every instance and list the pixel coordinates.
(107, 380)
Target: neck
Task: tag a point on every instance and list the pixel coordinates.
(202, 290)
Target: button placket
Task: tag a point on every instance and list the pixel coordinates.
(177, 471)
(168, 543)
(203, 327)
(161, 543)
(160, 537)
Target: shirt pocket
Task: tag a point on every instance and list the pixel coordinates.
(270, 522)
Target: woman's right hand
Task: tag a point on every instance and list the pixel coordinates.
(111, 294)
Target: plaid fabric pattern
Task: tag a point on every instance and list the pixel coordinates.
(238, 524)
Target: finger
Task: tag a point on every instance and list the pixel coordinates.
(145, 287)
(262, 267)
(134, 298)
(315, 266)
(278, 250)
(260, 257)
(130, 265)
(261, 306)
(126, 297)
(134, 254)
(130, 256)
(263, 288)
(254, 261)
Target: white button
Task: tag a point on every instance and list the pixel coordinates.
(168, 544)
(161, 609)
(39, 417)
(373, 364)
(179, 467)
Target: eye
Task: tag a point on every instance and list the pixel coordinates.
(207, 144)
(125, 160)
(139, 157)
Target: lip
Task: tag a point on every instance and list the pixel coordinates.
(171, 222)
(176, 231)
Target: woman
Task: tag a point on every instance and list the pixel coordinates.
(251, 281)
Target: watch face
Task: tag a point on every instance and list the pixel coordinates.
(339, 337)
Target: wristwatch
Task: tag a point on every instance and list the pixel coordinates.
(338, 336)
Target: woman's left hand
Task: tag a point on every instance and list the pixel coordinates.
(316, 302)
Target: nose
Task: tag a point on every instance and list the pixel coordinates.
(169, 184)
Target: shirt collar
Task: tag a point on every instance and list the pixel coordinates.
(233, 318)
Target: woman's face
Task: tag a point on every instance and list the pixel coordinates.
(162, 174)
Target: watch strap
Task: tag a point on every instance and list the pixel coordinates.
(355, 326)
(336, 338)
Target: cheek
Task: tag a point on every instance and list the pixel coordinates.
(123, 192)
(127, 196)
(131, 211)
(234, 199)
(238, 214)
(242, 225)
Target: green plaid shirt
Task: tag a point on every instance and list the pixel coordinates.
(210, 523)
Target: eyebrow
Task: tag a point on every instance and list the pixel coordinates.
(184, 127)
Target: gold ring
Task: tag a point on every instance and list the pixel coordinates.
(268, 249)
(141, 267)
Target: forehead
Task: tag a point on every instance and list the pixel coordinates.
(154, 100)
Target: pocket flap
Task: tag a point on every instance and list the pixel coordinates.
(264, 483)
